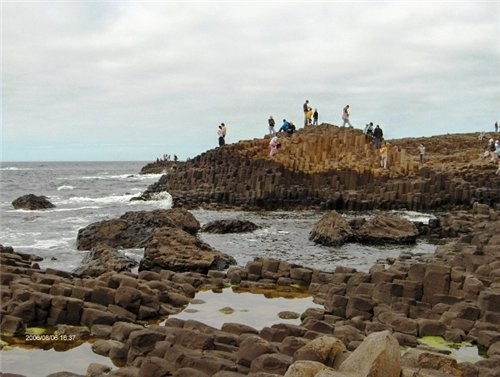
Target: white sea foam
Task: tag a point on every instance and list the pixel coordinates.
(53, 243)
(65, 187)
(163, 199)
(102, 200)
(74, 209)
(415, 216)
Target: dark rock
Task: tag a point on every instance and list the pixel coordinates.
(133, 229)
(176, 250)
(229, 226)
(32, 202)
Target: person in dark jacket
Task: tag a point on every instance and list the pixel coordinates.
(378, 134)
(315, 117)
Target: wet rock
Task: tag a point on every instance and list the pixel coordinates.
(32, 202)
(176, 250)
(331, 230)
(229, 226)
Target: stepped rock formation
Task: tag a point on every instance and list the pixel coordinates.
(335, 168)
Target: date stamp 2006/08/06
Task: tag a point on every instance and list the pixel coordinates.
(50, 338)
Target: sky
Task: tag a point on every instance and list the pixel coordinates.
(134, 80)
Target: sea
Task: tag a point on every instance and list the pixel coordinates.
(88, 192)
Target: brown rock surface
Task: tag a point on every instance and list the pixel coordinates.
(176, 250)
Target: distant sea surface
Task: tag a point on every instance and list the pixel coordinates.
(87, 192)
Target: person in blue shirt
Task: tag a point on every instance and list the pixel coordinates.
(285, 126)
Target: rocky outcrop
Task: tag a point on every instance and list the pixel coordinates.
(133, 229)
(335, 168)
(176, 250)
(160, 166)
(32, 202)
(334, 230)
(229, 226)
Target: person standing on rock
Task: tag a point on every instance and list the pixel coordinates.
(220, 133)
(378, 134)
(496, 126)
(345, 116)
(224, 131)
(271, 124)
(421, 152)
(315, 117)
(305, 107)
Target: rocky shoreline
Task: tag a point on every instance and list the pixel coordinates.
(367, 316)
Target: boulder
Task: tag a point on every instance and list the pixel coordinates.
(331, 230)
(377, 356)
(32, 202)
(176, 250)
(102, 259)
(229, 226)
(133, 229)
(386, 228)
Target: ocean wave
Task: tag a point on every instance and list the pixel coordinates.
(65, 187)
(162, 199)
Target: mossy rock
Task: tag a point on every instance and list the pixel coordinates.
(226, 310)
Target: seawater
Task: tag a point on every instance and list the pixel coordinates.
(87, 192)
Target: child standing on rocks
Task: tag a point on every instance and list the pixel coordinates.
(274, 145)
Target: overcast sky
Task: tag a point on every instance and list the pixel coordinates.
(96, 80)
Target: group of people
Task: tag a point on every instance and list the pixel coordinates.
(310, 117)
(376, 135)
